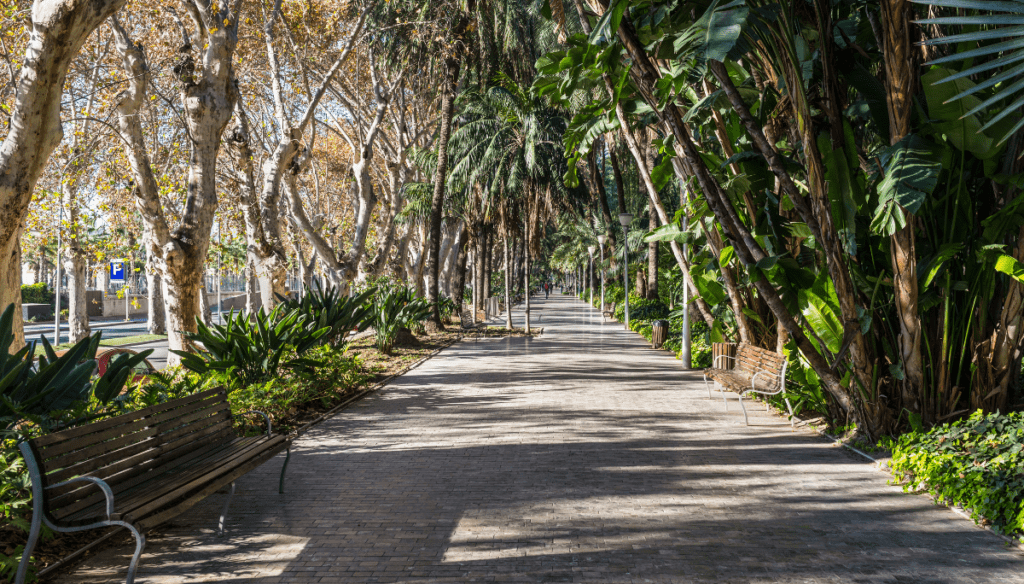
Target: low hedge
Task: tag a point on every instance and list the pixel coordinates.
(975, 463)
(36, 294)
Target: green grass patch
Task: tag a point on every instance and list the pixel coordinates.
(118, 342)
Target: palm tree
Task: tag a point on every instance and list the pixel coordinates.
(510, 144)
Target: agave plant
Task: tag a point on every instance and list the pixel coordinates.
(329, 308)
(447, 307)
(395, 309)
(41, 390)
(252, 350)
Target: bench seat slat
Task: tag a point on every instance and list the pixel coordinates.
(238, 471)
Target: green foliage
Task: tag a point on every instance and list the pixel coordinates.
(641, 309)
(36, 294)
(911, 174)
(331, 310)
(15, 502)
(35, 391)
(986, 36)
(252, 350)
(975, 463)
(447, 307)
(396, 308)
(280, 397)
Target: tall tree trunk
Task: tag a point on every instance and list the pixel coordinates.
(594, 177)
(252, 304)
(652, 257)
(208, 97)
(620, 189)
(526, 271)
(508, 284)
(10, 280)
(479, 256)
(488, 261)
(157, 318)
(459, 285)
(451, 78)
(76, 267)
(900, 78)
(59, 29)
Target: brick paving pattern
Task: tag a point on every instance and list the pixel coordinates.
(579, 456)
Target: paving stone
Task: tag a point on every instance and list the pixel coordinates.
(579, 456)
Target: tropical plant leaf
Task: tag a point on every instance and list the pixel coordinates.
(1007, 30)
(944, 104)
(1010, 266)
(911, 173)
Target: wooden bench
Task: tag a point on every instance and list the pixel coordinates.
(610, 312)
(752, 370)
(140, 469)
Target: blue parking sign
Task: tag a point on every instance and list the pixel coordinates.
(117, 270)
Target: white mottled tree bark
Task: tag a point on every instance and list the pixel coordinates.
(59, 28)
(208, 98)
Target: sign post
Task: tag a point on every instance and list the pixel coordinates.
(117, 275)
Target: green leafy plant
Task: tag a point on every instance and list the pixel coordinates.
(42, 391)
(329, 308)
(252, 350)
(36, 294)
(395, 309)
(447, 307)
(976, 463)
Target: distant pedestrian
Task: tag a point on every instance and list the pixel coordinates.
(547, 290)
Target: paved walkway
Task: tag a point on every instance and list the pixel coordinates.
(579, 456)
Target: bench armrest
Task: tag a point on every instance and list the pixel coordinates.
(265, 418)
(753, 380)
(102, 484)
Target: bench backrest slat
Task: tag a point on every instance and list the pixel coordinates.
(751, 359)
(123, 447)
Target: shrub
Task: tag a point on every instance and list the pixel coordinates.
(975, 463)
(330, 309)
(36, 294)
(51, 392)
(394, 309)
(251, 350)
(446, 306)
(279, 397)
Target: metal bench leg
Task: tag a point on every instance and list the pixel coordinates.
(725, 398)
(140, 544)
(224, 513)
(745, 420)
(284, 467)
(26, 556)
(792, 418)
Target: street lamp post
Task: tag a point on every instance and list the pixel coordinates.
(600, 241)
(590, 274)
(625, 219)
